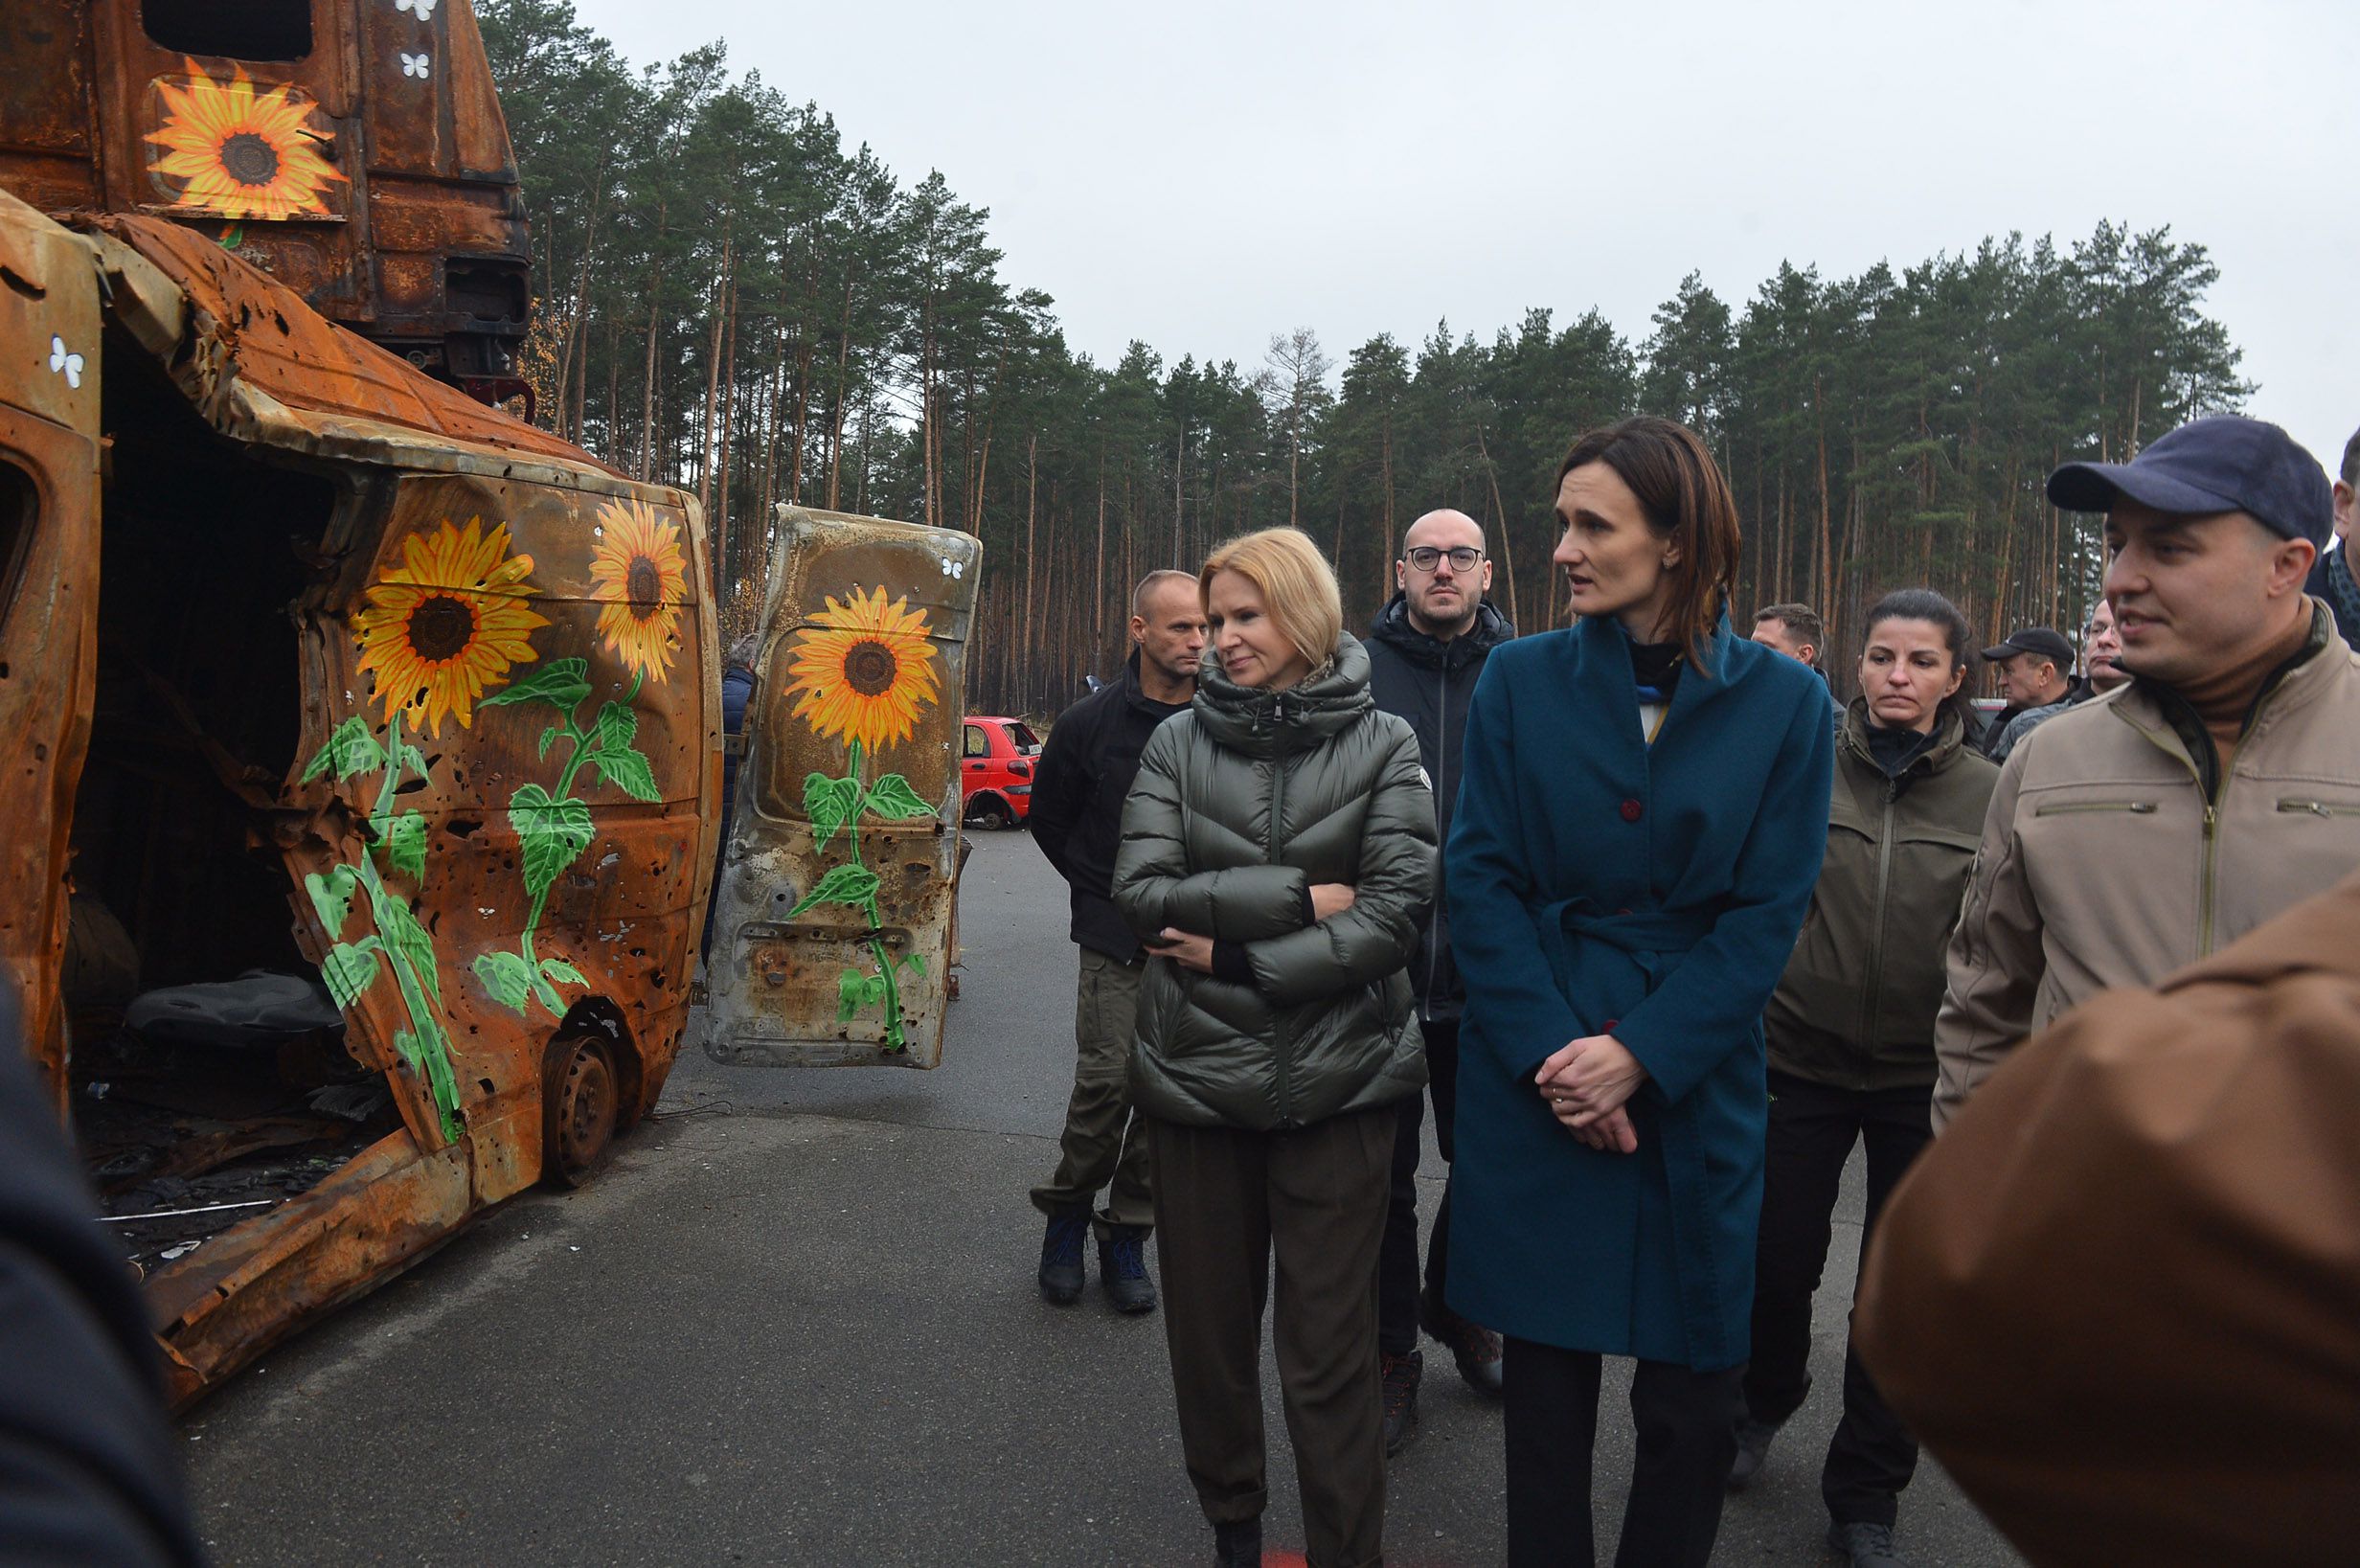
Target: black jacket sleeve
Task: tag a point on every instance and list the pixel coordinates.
(87, 1473)
(1061, 783)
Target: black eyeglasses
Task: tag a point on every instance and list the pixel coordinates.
(1426, 558)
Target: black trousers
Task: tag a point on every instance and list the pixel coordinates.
(1687, 1438)
(1397, 1267)
(1812, 1130)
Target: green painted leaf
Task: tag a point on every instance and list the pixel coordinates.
(554, 834)
(851, 993)
(892, 799)
(628, 771)
(411, 1048)
(507, 976)
(412, 758)
(843, 885)
(410, 941)
(561, 683)
(332, 896)
(557, 968)
(916, 961)
(829, 803)
(617, 726)
(351, 749)
(349, 968)
(872, 989)
(405, 844)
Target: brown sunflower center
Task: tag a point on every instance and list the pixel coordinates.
(440, 628)
(869, 668)
(248, 159)
(646, 586)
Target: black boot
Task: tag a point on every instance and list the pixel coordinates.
(1237, 1544)
(1062, 1255)
(1475, 1347)
(1401, 1374)
(1122, 1268)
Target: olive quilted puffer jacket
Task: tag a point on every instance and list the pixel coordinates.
(1240, 805)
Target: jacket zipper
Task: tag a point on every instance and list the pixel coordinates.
(1285, 1047)
(1441, 772)
(1876, 932)
(2319, 808)
(2058, 809)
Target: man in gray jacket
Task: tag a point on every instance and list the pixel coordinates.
(2134, 834)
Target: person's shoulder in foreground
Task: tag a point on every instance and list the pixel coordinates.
(2115, 1297)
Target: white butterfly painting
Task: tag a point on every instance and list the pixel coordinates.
(62, 363)
(422, 9)
(415, 65)
(954, 568)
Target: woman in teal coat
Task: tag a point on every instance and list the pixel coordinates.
(1642, 818)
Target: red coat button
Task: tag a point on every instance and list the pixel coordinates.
(1630, 810)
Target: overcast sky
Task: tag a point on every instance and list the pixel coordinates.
(1201, 176)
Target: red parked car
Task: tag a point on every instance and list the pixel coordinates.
(996, 770)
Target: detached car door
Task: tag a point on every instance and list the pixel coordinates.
(833, 912)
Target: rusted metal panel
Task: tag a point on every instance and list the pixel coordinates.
(834, 914)
(364, 162)
(49, 473)
(270, 370)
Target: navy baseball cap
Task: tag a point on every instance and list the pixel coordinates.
(2227, 463)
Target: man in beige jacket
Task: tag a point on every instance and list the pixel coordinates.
(2135, 833)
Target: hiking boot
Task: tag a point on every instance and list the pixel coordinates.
(1237, 1544)
(1864, 1545)
(1753, 1449)
(1061, 1256)
(1475, 1347)
(1122, 1268)
(1400, 1373)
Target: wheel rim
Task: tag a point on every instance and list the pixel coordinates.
(586, 1109)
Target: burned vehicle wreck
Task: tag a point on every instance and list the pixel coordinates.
(294, 630)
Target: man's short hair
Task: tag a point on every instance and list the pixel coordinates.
(1802, 623)
(2350, 472)
(1148, 584)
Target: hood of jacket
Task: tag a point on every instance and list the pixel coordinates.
(1261, 722)
(1396, 630)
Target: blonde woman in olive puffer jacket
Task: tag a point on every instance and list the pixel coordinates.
(1277, 848)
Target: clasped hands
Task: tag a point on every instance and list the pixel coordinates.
(1191, 951)
(1586, 1085)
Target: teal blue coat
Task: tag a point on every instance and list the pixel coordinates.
(1601, 885)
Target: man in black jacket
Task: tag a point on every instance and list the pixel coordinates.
(1424, 654)
(1084, 773)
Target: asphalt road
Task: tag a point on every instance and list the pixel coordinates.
(794, 1322)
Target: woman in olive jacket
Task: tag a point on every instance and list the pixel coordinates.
(1851, 1031)
(1276, 848)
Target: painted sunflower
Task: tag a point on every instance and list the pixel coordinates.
(243, 154)
(639, 574)
(865, 671)
(443, 628)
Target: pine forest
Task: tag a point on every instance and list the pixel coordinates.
(731, 300)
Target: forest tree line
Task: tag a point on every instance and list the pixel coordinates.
(730, 300)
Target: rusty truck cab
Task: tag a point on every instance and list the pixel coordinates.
(354, 151)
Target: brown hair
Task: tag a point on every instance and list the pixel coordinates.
(1801, 622)
(1298, 587)
(1686, 501)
